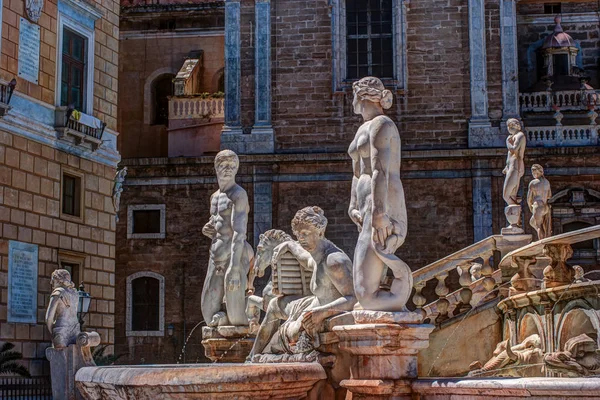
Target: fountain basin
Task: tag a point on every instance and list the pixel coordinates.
(199, 381)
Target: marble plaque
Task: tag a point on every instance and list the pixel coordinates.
(22, 282)
(29, 51)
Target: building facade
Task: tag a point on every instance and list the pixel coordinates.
(58, 157)
(458, 71)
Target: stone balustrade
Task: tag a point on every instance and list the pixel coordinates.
(472, 273)
(566, 100)
(555, 136)
(195, 107)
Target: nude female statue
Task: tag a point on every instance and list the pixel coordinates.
(515, 167)
(537, 198)
(377, 205)
(61, 315)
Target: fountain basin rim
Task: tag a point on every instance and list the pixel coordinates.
(200, 374)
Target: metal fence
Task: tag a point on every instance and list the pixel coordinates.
(25, 388)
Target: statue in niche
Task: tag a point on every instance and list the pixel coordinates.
(509, 360)
(118, 189)
(330, 284)
(580, 358)
(514, 171)
(230, 254)
(61, 315)
(537, 198)
(377, 204)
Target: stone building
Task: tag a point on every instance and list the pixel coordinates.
(58, 157)
(458, 70)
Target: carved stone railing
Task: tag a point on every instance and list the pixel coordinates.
(566, 100)
(195, 108)
(555, 136)
(81, 127)
(472, 272)
(543, 264)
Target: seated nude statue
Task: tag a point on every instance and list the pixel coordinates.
(61, 315)
(230, 254)
(331, 286)
(537, 198)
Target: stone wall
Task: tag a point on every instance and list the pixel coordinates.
(30, 193)
(106, 56)
(145, 59)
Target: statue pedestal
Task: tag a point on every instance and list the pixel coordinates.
(385, 353)
(513, 216)
(227, 344)
(65, 362)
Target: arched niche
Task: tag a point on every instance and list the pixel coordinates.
(576, 319)
(530, 323)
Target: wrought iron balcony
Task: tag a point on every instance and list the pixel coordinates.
(6, 92)
(82, 128)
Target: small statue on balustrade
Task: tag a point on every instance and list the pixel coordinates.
(514, 171)
(61, 315)
(537, 198)
(230, 254)
(330, 289)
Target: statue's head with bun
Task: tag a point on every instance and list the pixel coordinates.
(371, 89)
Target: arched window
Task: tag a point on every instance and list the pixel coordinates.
(162, 89)
(145, 304)
(221, 84)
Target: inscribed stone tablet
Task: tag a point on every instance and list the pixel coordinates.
(22, 282)
(29, 51)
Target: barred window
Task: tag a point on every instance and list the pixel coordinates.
(369, 39)
(145, 304)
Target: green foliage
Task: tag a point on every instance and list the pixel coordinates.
(8, 361)
(101, 359)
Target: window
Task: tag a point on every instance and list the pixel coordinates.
(369, 42)
(75, 55)
(73, 262)
(561, 64)
(71, 194)
(145, 304)
(368, 39)
(72, 86)
(552, 8)
(146, 221)
(162, 89)
(575, 226)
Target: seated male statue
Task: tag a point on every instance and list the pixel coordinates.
(61, 315)
(230, 254)
(331, 286)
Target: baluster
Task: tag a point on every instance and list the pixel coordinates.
(442, 304)
(419, 300)
(489, 283)
(465, 293)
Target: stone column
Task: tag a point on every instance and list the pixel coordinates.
(479, 124)
(233, 94)
(482, 200)
(262, 70)
(384, 346)
(510, 67)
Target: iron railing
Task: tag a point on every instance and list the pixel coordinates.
(38, 388)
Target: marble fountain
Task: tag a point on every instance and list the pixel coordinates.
(506, 317)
